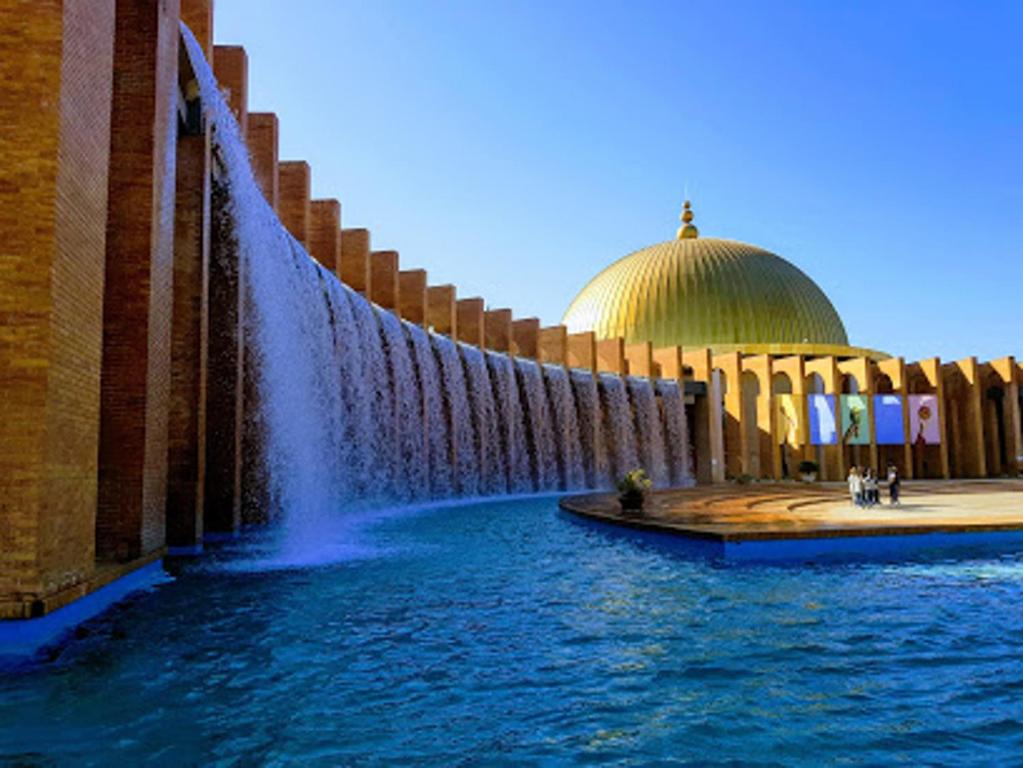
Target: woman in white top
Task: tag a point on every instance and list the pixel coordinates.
(855, 481)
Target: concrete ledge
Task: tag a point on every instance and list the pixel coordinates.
(21, 639)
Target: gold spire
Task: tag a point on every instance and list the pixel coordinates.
(688, 230)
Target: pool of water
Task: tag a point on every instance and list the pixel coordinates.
(511, 633)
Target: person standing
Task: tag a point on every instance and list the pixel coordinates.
(894, 485)
(870, 487)
(855, 481)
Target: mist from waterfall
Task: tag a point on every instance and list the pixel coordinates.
(361, 409)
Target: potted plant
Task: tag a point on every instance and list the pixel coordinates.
(808, 470)
(632, 490)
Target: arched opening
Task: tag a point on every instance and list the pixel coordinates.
(751, 458)
(813, 384)
(926, 458)
(729, 427)
(785, 427)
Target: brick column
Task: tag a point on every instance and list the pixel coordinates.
(231, 67)
(736, 450)
(325, 233)
(138, 300)
(383, 279)
(198, 15)
(582, 350)
(355, 259)
(639, 359)
(497, 329)
(186, 434)
(525, 335)
(668, 362)
(440, 309)
(611, 356)
(470, 321)
(412, 295)
(225, 369)
(553, 345)
(263, 142)
(53, 212)
(294, 189)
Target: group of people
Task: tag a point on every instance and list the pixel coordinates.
(864, 486)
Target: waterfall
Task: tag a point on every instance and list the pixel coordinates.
(591, 430)
(435, 418)
(649, 433)
(464, 454)
(543, 452)
(358, 408)
(569, 447)
(509, 417)
(492, 462)
(676, 432)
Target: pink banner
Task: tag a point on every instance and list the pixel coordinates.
(923, 419)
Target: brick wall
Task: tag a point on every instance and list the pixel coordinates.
(54, 107)
(137, 299)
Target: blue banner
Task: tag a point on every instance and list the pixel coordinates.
(823, 421)
(888, 420)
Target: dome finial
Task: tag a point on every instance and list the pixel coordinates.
(688, 230)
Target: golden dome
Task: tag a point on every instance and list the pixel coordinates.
(707, 292)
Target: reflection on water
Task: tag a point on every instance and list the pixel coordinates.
(505, 632)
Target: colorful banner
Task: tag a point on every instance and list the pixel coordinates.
(888, 420)
(923, 419)
(855, 421)
(823, 424)
(786, 420)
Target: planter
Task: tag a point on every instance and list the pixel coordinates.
(809, 477)
(632, 503)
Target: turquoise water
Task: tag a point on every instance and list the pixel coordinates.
(512, 634)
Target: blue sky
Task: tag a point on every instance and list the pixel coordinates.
(516, 148)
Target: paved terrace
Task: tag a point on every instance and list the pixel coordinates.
(785, 511)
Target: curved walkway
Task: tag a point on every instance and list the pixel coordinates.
(760, 512)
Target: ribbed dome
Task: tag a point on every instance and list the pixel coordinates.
(707, 292)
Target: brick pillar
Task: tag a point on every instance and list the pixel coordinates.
(611, 355)
(497, 329)
(186, 432)
(971, 447)
(231, 67)
(263, 139)
(412, 295)
(706, 429)
(552, 345)
(198, 15)
(138, 300)
(53, 212)
(355, 259)
(639, 359)
(325, 233)
(668, 361)
(470, 321)
(440, 309)
(225, 368)
(582, 350)
(736, 450)
(294, 188)
(525, 337)
(383, 279)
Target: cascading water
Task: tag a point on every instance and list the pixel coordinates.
(649, 434)
(435, 419)
(509, 416)
(492, 463)
(360, 408)
(591, 431)
(544, 453)
(465, 456)
(676, 432)
(619, 424)
(569, 448)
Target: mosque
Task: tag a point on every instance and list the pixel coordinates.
(785, 386)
